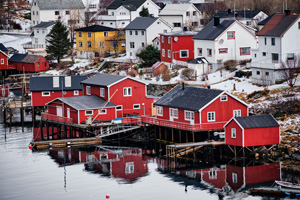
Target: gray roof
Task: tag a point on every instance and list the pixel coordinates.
(211, 32)
(60, 4)
(257, 121)
(17, 57)
(189, 98)
(199, 60)
(179, 33)
(141, 23)
(44, 24)
(31, 58)
(86, 102)
(45, 83)
(131, 5)
(3, 48)
(249, 14)
(102, 79)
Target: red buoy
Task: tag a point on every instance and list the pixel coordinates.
(30, 147)
(107, 196)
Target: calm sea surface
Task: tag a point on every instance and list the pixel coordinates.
(122, 173)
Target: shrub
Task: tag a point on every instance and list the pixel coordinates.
(166, 75)
(132, 73)
(188, 74)
(230, 65)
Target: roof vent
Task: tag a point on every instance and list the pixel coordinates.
(185, 28)
(216, 21)
(287, 12)
(229, 11)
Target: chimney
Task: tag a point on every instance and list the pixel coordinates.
(182, 85)
(208, 87)
(287, 12)
(229, 11)
(151, 15)
(216, 21)
(185, 28)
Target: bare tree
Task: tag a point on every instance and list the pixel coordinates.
(290, 70)
(115, 41)
(188, 74)
(210, 9)
(74, 23)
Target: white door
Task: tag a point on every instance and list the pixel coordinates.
(68, 112)
(173, 114)
(59, 111)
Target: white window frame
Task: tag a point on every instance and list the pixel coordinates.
(105, 34)
(174, 113)
(76, 92)
(222, 96)
(125, 91)
(169, 53)
(102, 111)
(89, 34)
(169, 40)
(163, 52)
(102, 92)
(88, 90)
(159, 111)
(234, 177)
(89, 114)
(233, 133)
(237, 113)
(186, 51)
(129, 167)
(162, 39)
(212, 174)
(44, 94)
(139, 106)
(119, 108)
(189, 115)
(2, 61)
(213, 118)
(80, 44)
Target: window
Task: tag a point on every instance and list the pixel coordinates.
(130, 32)
(112, 13)
(36, 40)
(80, 44)
(163, 52)
(88, 112)
(37, 30)
(237, 113)
(248, 23)
(101, 44)
(298, 25)
(33, 12)
(194, 13)
(102, 112)
(265, 41)
(267, 73)
(194, 24)
(184, 53)
(257, 72)
(143, 32)
(169, 40)
(211, 116)
(233, 133)
(136, 106)
(234, 177)
(274, 57)
(43, 31)
(89, 34)
(264, 53)
(199, 51)
(76, 92)
(290, 56)
(143, 44)
(187, 13)
(188, 115)
(56, 12)
(174, 113)
(67, 12)
(245, 51)
(209, 52)
(273, 41)
(119, 107)
(89, 44)
(212, 174)
(177, 24)
(169, 53)
(132, 45)
(102, 92)
(230, 35)
(127, 92)
(46, 94)
(162, 39)
(159, 111)
(129, 168)
(33, 22)
(2, 61)
(224, 98)
(223, 50)
(105, 33)
(88, 90)
(79, 34)
(136, 32)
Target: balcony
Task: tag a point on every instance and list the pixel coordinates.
(183, 126)
(29, 45)
(55, 118)
(112, 18)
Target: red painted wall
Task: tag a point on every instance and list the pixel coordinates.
(238, 141)
(218, 181)
(230, 169)
(166, 115)
(110, 114)
(38, 100)
(40, 65)
(95, 90)
(261, 136)
(3, 66)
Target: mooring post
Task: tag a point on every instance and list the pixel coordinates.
(172, 135)
(4, 114)
(22, 115)
(10, 119)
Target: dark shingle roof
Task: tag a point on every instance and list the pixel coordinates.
(45, 83)
(249, 14)
(263, 22)
(31, 58)
(59, 4)
(44, 24)
(3, 48)
(141, 23)
(257, 121)
(211, 32)
(95, 28)
(102, 79)
(278, 25)
(191, 98)
(131, 5)
(86, 102)
(17, 57)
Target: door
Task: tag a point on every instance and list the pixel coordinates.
(173, 114)
(59, 111)
(68, 112)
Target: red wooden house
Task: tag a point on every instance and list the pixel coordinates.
(177, 46)
(47, 88)
(4, 58)
(214, 177)
(29, 63)
(194, 108)
(252, 131)
(241, 177)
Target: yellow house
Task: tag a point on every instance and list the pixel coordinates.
(94, 41)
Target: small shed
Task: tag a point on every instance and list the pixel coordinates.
(258, 130)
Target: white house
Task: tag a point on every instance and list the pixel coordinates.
(222, 40)
(141, 32)
(91, 5)
(181, 15)
(39, 35)
(278, 41)
(122, 12)
(69, 11)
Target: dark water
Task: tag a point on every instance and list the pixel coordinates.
(91, 173)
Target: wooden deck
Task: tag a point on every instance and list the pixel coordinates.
(275, 191)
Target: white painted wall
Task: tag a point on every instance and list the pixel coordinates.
(173, 19)
(39, 39)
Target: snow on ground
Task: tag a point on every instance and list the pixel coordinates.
(15, 42)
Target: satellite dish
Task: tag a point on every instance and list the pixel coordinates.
(175, 39)
(221, 41)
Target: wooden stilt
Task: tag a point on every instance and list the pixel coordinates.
(41, 127)
(47, 127)
(193, 134)
(22, 115)
(10, 119)
(172, 134)
(179, 136)
(186, 137)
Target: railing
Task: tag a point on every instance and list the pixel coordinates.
(183, 126)
(132, 120)
(57, 118)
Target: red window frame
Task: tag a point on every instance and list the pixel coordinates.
(233, 35)
(245, 48)
(201, 52)
(223, 52)
(208, 54)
